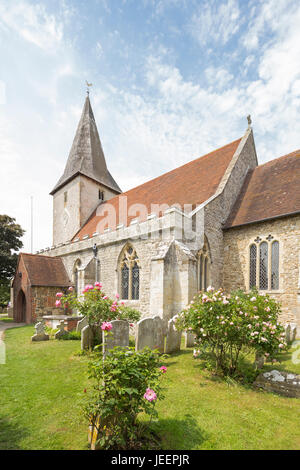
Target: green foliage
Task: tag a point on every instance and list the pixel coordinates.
(71, 335)
(200, 411)
(10, 234)
(97, 306)
(117, 396)
(226, 325)
(4, 292)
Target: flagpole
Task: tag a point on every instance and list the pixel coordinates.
(31, 221)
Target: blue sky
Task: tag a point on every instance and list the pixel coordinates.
(172, 80)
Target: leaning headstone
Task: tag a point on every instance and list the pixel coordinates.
(259, 361)
(61, 332)
(86, 337)
(159, 337)
(82, 323)
(40, 334)
(145, 334)
(173, 340)
(293, 331)
(118, 335)
(287, 328)
(189, 339)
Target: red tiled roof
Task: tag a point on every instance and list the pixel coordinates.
(45, 270)
(269, 191)
(192, 183)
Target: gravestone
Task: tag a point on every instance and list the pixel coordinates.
(259, 361)
(61, 332)
(283, 383)
(145, 334)
(189, 339)
(82, 323)
(118, 335)
(86, 337)
(173, 340)
(293, 331)
(159, 337)
(287, 328)
(40, 334)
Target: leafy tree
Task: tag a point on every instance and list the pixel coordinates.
(10, 243)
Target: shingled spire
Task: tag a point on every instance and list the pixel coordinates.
(86, 156)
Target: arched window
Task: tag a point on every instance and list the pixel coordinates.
(275, 266)
(264, 264)
(203, 268)
(253, 256)
(129, 274)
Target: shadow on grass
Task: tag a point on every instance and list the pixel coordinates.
(10, 434)
(180, 434)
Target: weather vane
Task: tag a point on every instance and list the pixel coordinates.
(88, 85)
(249, 120)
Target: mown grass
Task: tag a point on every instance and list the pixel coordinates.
(6, 319)
(42, 388)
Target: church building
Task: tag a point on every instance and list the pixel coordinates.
(220, 220)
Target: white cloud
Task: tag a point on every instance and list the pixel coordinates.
(152, 127)
(215, 22)
(32, 22)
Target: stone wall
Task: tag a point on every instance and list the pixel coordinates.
(236, 260)
(82, 197)
(218, 209)
(43, 302)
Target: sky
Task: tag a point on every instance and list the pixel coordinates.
(172, 80)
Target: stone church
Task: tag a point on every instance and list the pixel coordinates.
(220, 220)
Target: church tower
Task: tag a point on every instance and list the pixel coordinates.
(85, 183)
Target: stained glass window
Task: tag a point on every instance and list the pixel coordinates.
(203, 268)
(125, 281)
(130, 274)
(263, 266)
(275, 266)
(253, 256)
(135, 281)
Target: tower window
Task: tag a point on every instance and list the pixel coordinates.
(65, 197)
(101, 195)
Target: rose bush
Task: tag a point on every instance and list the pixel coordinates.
(225, 325)
(97, 306)
(125, 384)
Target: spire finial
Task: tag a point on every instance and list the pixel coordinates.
(88, 85)
(249, 120)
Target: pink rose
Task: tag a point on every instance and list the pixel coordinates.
(150, 395)
(58, 303)
(59, 294)
(106, 326)
(163, 369)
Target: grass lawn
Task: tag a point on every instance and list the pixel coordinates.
(6, 319)
(42, 388)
